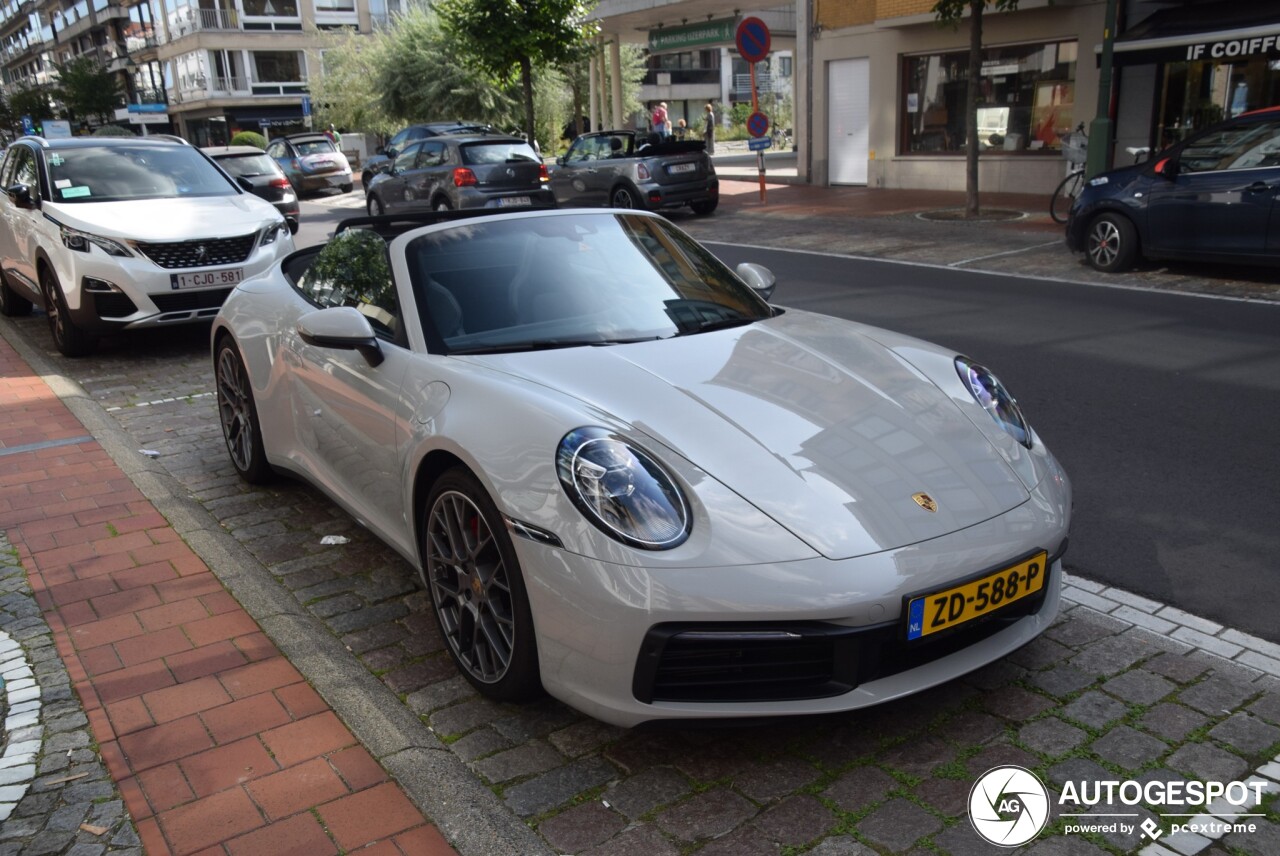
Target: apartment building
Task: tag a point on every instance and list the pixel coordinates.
(204, 69)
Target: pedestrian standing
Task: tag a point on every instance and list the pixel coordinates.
(680, 130)
(661, 123)
(709, 128)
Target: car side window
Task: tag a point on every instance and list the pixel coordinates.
(276, 150)
(1259, 149)
(431, 154)
(1245, 146)
(354, 270)
(25, 171)
(405, 160)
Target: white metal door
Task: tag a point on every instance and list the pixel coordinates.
(848, 114)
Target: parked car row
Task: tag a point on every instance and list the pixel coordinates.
(617, 169)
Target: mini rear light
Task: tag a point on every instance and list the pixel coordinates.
(642, 172)
(655, 196)
(543, 175)
(280, 182)
(463, 177)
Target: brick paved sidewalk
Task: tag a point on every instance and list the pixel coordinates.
(217, 743)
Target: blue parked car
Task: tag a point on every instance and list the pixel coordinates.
(1213, 197)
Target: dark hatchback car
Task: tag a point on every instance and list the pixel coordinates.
(381, 162)
(267, 179)
(473, 171)
(1213, 197)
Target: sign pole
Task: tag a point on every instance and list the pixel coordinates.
(753, 41)
(755, 108)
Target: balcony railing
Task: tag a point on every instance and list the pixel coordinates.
(194, 20)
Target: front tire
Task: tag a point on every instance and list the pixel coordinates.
(478, 590)
(238, 414)
(375, 206)
(442, 204)
(70, 340)
(12, 304)
(1111, 243)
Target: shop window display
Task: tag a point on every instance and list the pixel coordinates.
(1195, 95)
(1026, 99)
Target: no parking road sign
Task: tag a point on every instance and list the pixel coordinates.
(753, 39)
(757, 124)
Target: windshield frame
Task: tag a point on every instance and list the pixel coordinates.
(613, 279)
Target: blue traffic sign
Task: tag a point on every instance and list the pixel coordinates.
(759, 144)
(28, 127)
(757, 124)
(306, 105)
(753, 39)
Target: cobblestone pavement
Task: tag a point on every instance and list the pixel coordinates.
(1107, 693)
(56, 796)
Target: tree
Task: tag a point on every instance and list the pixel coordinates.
(347, 91)
(423, 75)
(502, 36)
(26, 100)
(952, 12)
(86, 89)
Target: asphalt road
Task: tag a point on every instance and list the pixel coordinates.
(1162, 408)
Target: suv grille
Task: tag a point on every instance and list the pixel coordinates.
(200, 253)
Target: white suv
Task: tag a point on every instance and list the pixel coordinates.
(115, 234)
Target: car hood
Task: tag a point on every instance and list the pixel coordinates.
(808, 418)
(168, 219)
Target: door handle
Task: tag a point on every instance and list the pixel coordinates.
(1258, 187)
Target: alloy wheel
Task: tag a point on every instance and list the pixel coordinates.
(622, 198)
(53, 308)
(234, 409)
(470, 587)
(1104, 243)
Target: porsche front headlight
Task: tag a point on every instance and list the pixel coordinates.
(622, 489)
(988, 391)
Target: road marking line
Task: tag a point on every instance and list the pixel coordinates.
(1006, 253)
(159, 401)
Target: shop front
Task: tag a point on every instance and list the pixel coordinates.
(1186, 67)
(889, 99)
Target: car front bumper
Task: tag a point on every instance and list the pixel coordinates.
(599, 626)
(107, 293)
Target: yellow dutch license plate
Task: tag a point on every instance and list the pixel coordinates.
(942, 610)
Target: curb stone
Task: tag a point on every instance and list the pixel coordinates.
(56, 796)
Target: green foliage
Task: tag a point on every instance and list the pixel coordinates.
(30, 101)
(249, 138)
(112, 131)
(504, 37)
(423, 76)
(352, 269)
(86, 89)
(952, 12)
(349, 90)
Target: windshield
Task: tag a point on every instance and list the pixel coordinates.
(581, 278)
(249, 166)
(120, 172)
(488, 153)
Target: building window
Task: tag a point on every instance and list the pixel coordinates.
(1026, 99)
(270, 8)
(1194, 95)
(278, 73)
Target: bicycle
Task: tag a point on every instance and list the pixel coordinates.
(1075, 148)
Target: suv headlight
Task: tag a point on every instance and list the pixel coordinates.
(988, 391)
(272, 232)
(622, 489)
(74, 239)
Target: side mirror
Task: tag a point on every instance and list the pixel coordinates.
(560, 161)
(759, 277)
(20, 195)
(1166, 168)
(342, 328)
(244, 183)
